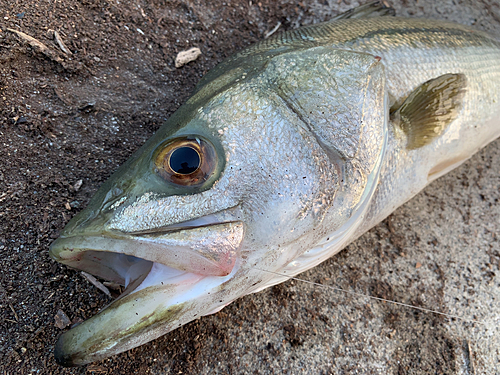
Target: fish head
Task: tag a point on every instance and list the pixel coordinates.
(261, 163)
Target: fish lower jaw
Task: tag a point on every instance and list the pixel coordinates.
(150, 306)
(154, 293)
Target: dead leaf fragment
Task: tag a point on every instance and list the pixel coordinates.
(97, 369)
(78, 184)
(185, 57)
(61, 320)
(91, 279)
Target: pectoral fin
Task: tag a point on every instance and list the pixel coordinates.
(428, 110)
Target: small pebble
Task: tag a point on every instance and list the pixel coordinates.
(185, 57)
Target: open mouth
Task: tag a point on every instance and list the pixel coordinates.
(162, 272)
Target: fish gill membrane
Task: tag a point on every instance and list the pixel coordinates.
(286, 153)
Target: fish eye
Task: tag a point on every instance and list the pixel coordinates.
(186, 161)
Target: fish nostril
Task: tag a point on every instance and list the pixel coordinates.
(117, 191)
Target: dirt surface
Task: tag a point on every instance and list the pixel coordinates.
(68, 120)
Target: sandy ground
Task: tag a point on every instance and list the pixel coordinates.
(71, 118)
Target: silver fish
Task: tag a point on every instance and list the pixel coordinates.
(285, 153)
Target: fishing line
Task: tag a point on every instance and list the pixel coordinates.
(374, 298)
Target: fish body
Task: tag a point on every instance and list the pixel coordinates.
(285, 153)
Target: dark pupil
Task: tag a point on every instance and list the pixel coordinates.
(184, 160)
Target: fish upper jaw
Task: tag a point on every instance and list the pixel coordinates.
(209, 250)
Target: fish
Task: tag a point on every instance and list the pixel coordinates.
(285, 153)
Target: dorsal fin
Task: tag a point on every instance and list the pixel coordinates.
(429, 109)
(251, 60)
(371, 9)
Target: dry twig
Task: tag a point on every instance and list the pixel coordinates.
(61, 44)
(14, 311)
(272, 31)
(38, 46)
